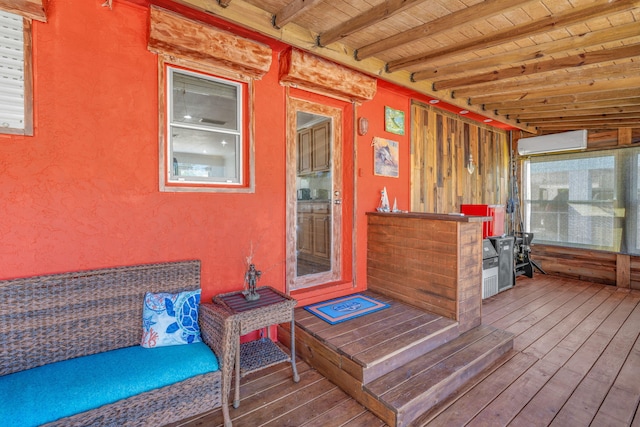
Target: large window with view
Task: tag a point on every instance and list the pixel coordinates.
(204, 136)
(585, 200)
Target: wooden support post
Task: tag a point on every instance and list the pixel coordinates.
(623, 271)
(624, 136)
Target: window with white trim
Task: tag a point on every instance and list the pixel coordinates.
(205, 141)
(15, 75)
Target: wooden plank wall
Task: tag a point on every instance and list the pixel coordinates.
(582, 264)
(428, 263)
(634, 273)
(469, 275)
(440, 183)
(415, 261)
(604, 267)
(441, 145)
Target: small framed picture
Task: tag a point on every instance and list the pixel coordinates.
(394, 121)
(386, 157)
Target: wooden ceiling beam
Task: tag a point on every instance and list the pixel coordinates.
(598, 86)
(535, 52)
(464, 16)
(572, 78)
(594, 124)
(574, 61)
(248, 16)
(571, 109)
(371, 17)
(597, 9)
(603, 86)
(292, 11)
(594, 117)
(565, 100)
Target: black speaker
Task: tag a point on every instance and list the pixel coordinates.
(504, 245)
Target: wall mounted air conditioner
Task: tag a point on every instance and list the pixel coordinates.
(565, 141)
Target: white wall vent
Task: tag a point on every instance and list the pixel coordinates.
(565, 141)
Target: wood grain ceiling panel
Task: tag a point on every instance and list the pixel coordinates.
(472, 50)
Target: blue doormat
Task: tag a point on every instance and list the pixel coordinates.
(345, 308)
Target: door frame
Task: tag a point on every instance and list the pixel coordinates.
(293, 281)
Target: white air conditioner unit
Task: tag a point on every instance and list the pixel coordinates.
(566, 141)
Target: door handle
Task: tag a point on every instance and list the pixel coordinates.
(337, 202)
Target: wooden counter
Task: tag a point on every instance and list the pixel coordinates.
(432, 261)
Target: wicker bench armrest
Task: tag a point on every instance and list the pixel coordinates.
(219, 330)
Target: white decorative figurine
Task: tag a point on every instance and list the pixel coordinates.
(384, 202)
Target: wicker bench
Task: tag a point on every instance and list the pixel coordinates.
(53, 318)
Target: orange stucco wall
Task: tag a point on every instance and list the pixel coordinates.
(83, 192)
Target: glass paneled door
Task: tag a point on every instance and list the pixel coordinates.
(313, 193)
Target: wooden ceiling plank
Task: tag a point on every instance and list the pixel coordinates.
(291, 11)
(371, 17)
(576, 124)
(579, 60)
(534, 52)
(572, 109)
(462, 17)
(571, 100)
(596, 9)
(570, 78)
(536, 93)
(619, 116)
(609, 106)
(594, 114)
(248, 16)
(594, 128)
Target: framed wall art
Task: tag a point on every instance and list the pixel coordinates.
(394, 121)
(386, 157)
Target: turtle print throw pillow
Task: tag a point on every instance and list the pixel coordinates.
(170, 319)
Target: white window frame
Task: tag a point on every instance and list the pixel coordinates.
(243, 133)
(16, 93)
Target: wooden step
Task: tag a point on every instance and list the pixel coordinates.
(378, 343)
(403, 348)
(415, 387)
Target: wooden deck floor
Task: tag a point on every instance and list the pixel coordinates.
(575, 362)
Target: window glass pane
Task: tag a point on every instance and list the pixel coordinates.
(586, 200)
(572, 201)
(205, 142)
(202, 155)
(204, 102)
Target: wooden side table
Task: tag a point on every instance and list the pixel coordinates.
(272, 308)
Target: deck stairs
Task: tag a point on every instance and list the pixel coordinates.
(400, 363)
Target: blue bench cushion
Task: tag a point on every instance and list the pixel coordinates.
(50, 392)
